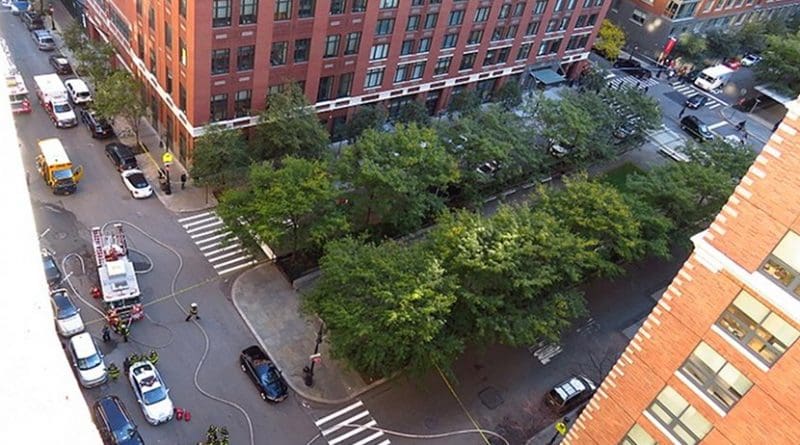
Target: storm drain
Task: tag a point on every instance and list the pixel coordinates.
(490, 397)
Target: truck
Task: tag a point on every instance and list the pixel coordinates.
(17, 91)
(56, 169)
(713, 78)
(118, 284)
(53, 96)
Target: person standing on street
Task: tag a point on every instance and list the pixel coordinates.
(183, 181)
(192, 312)
(683, 110)
(740, 125)
(106, 334)
(124, 331)
(113, 371)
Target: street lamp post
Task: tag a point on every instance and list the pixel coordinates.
(308, 371)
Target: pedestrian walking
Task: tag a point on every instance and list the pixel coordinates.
(153, 356)
(740, 125)
(683, 110)
(126, 364)
(744, 137)
(192, 312)
(106, 334)
(183, 181)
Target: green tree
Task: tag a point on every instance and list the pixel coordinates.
(289, 127)
(515, 270)
(292, 207)
(414, 112)
(464, 102)
(509, 95)
(752, 37)
(118, 95)
(722, 45)
(691, 48)
(781, 65)
(396, 176)
(594, 79)
(386, 307)
(635, 108)
(93, 56)
(610, 40)
(370, 116)
(733, 160)
(219, 158)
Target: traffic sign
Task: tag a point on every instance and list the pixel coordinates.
(166, 158)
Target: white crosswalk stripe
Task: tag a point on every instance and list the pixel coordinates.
(351, 425)
(631, 81)
(690, 91)
(217, 243)
(545, 351)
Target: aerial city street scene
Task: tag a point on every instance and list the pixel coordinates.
(374, 222)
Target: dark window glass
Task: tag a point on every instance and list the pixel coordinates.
(337, 6)
(331, 46)
(352, 43)
(305, 8)
(221, 13)
(277, 56)
(242, 103)
(220, 61)
(468, 61)
(283, 9)
(430, 20)
(245, 57)
(248, 12)
(345, 85)
(219, 107)
(384, 27)
(325, 90)
(359, 5)
(301, 47)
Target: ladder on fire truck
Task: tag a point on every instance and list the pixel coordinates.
(117, 240)
(97, 244)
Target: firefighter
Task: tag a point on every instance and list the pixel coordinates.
(153, 356)
(133, 358)
(124, 331)
(192, 312)
(113, 371)
(106, 334)
(113, 319)
(211, 435)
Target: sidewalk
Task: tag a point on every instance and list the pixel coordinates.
(190, 199)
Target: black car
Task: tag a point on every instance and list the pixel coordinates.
(696, 128)
(569, 394)
(114, 423)
(255, 363)
(32, 20)
(51, 270)
(633, 67)
(691, 76)
(121, 156)
(98, 126)
(60, 64)
(696, 101)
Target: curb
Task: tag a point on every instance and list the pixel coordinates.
(289, 382)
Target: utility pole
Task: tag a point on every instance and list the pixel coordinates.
(308, 371)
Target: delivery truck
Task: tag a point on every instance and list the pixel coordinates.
(56, 168)
(713, 78)
(53, 96)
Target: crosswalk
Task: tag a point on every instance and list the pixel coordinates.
(217, 244)
(545, 351)
(351, 425)
(689, 90)
(631, 81)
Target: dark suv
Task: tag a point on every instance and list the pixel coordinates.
(634, 68)
(696, 128)
(569, 394)
(121, 156)
(114, 422)
(98, 126)
(32, 20)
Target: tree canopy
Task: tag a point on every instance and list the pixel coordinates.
(781, 65)
(118, 95)
(464, 102)
(219, 157)
(289, 127)
(610, 40)
(414, 112)
(370, 116)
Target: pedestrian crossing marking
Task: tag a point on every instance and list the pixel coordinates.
(358, 428)
(544, 351)
(220, 248)
(633, 81)
(690, 91)
(717, 125)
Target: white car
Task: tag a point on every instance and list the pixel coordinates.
(136, 183)
(68, 317)
(151, 392)
(78, 91)
(750, 60)
(88, 360)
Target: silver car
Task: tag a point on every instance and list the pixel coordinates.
(44, 40)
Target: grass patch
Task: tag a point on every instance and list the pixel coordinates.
(619, 176)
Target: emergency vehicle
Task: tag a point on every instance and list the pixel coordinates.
(17, 91)
(118, 284)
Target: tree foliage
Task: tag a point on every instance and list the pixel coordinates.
(781, 65)
(722, 45)
(386, 306)
(691, 48)
(94, 57)
(366, 117)
(509, 95)
(414, 112)
(289, 127)
(610, 40)
(752, 37)
(464, 102)
(118, 95)
(634, 102)
(731, 159)
(219, 158)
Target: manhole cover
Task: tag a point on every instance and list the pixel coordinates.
(490, 397)
(140, 262)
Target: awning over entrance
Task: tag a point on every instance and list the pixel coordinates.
(547, 77)
(774, 95)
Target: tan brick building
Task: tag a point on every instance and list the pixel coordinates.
(718, 361)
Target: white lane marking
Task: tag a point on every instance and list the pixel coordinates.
(717, 125)
(235, 260)
(201, 221)
(216, 251)
(339, 413)
(347, 421)
(354, 432)
(205, 240)
(199, 215)
(370, 438)
(226, 255)
(199, 235)
(715, 105)
(234, 268)
(206, 226)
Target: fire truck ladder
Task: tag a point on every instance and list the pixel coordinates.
(97, 244)
(119, 239)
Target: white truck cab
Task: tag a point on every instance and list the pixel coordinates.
(53, 96)
(713, 78)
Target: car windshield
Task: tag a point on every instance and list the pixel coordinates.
(137, 180)
(154, 395)
(89, 362)
(47, 41)
(65, 307)
(266, 374)
(124, 433)
(63, 175)
(702, 128)
(82, 94)
(63, 108)
(556, 397)
(706, 77)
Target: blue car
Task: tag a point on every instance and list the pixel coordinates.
(263, 372)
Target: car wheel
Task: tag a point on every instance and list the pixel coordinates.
(263, 396)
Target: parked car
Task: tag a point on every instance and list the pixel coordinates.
(68, 317)
(696, 101)
(569, 394)
(151, 392)
(733, 64)
(114, 423)
(88, 360)
(32, 20)
(60, 64)
(633, 67)
(51, 270)
(78, 91)
(98, 126)
(44, 41)
(750, 60)
(488, 168)
(121, 156)
(262, 371)
(559, 149)
(691, 76)
(136, 183)
(18, 7)
(696, 128)
(627, 129)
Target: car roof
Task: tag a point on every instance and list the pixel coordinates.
(77, 84)
(121, 149)
(114, 411)
(573, 386)
(132, 171)
(146, 375)
(83, 344)
(61, 297)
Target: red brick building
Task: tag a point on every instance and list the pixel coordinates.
(217, 60)
(717, 361)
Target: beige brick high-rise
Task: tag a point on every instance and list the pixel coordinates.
(718, 361)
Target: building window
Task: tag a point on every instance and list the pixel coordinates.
(638, 436)
(519, 9)
(283, 9)
(374, 78)
(581, 22)
(680, 9)
(407, 48)
(305, 9)
(277, 56)
(242, 102)
(184, 52)
(456, 18)
(388, 4)
(551, 25)
(638, 17)
(532, 28)
(331, 46)
(401, 73)
(468, 61)
(182, 7)
(248, 12)
(592, 20)
(417, 70)
(219, 107)
(783, 264)
(475, 37)
(182, 97)
(168, 80)
(571, 4)
(449, 41)
(301, 47)
(325, 90)
(511, 31)
(559, 6)
(504, 11)
(245, 57)
(424, 45)
(221, 13)
(680, 418)
(491, 57)
(384, 27)
(502, 54)
(715, 376)
(757, 328)
(337, 7)
(498, 33)
(151, 18)
(563, 24)
(352, 43)
(482, 14)
(138, 7)
(379, 51)
(359, 5)
(554, 46)
(167, 35)
(220, 61)
(345, 85)
(540, 6)
(413, 23)
(524, 51)
(442, 65)
(430, 20)
(153, 67)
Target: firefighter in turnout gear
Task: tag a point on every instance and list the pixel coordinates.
(124, 330)
(192, 312)
(153, 356)
(113, 371)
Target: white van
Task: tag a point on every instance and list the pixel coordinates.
(713, 78)
(88, 360)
